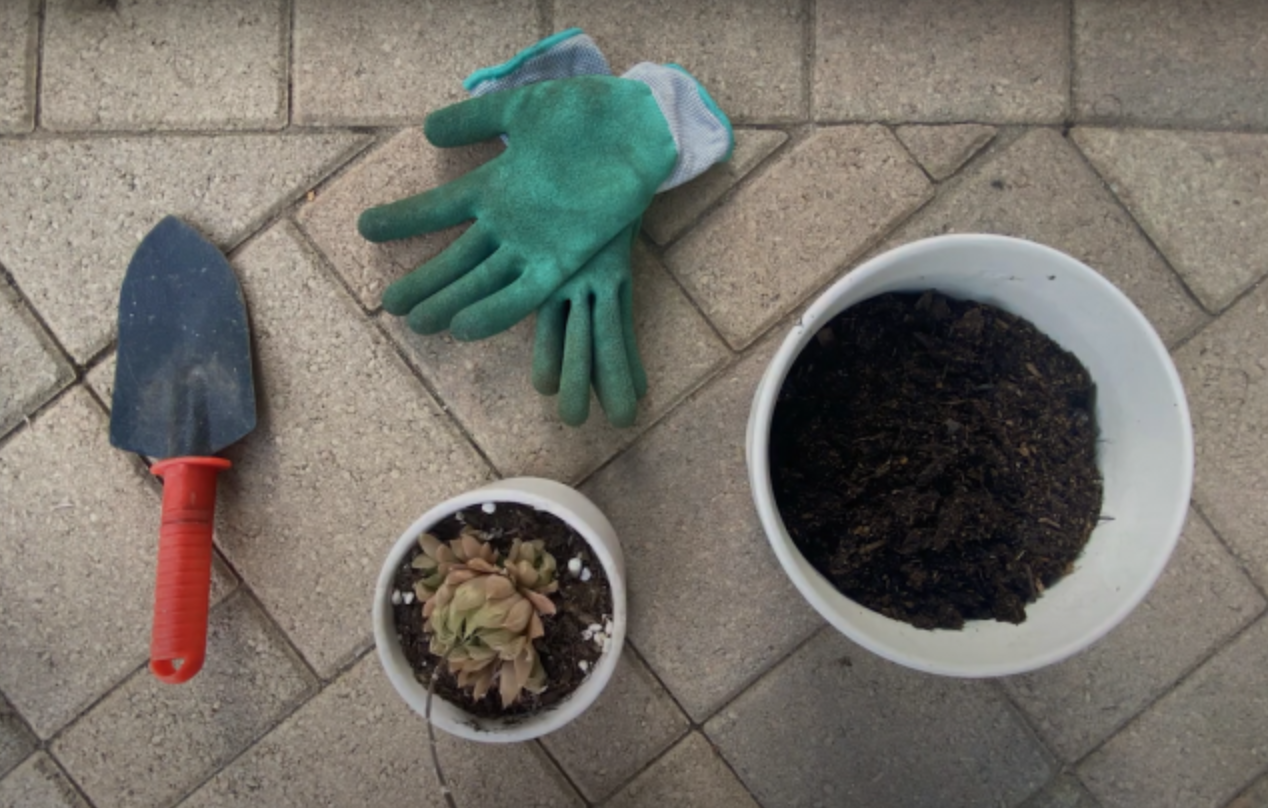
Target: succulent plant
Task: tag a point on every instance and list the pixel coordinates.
(482, 614)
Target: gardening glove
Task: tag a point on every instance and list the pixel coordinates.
(585, 335)
(584, 157)
(585, 330)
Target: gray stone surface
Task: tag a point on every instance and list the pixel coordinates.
(691, 775)
(16, 741)
(782, 236)
(249, 681)
(836, 725)
(1225, 376)
(1254, 797)
(19, 38)
(350, 449)
(1189, 64)
(1040, 189)
(487, 384)
(357, 743)
(695, 551)
(1200, 744)
(403, 166)
(76, 563)
(746, 53)
(1201, 197)
(924, 61)
(32, 370)
(631, 723)
(674, 211)
(941, 150)
(137, 65)
(1064, 792)
(76, 209)
(1201, 600)
(384, 62)
(39, 783)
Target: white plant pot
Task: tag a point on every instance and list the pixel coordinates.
(1145, 457)
(545, 495)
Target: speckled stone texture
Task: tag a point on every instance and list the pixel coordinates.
(942, 150)
(19, 42)
(32, 370)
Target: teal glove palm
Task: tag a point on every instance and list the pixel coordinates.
(584, 157)
(585, 335)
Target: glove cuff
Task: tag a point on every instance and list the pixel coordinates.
(564, 55)
(701, 131)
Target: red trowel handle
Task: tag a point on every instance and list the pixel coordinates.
(183, 589)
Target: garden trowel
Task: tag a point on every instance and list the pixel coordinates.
(183, 391)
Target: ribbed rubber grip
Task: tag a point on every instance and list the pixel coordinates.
(178, 642)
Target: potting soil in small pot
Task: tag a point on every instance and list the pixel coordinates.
(935, 459)
(573, 628)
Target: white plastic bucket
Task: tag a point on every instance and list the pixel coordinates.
(1145, 457)
(569, 505)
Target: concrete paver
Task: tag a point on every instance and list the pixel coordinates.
(1254, 797)
(77, 548)
(679, 501)
(691, 775)
(1225, 376)
(942, 150)
(138, 66)
(76, 209)
(631, 723)
(980, 60)
(179, 736)
(39, 783)
(747, 53)
(1200, 65)
(674, 211)
(350, 449)
(357, 743)
(1201, 600)
(390, 62)
(1064, 792)
(16, 741)
(32, 370)
(822, 204)
(487, 384)
(1039, 188)
(19, 40)
(1200, 744)
(834, 724)
(1201, 197)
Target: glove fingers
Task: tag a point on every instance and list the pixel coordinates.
(638, 376)
(459, 258)
(436, 313)
(613, 379)
(574, 382)
(548, 345)
(470, 121)
(450, 204)
(495, 311)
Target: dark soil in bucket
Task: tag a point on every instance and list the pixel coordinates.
(935, 459)
(580, 604)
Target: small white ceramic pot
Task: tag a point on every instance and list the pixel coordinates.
(1145, 452)
(545, 495)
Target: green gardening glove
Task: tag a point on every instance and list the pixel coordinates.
(584, 156)
(585, 335)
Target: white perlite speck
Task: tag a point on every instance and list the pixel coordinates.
(585, 575)
(585, 666)
(408, 597)
(396, 597)
(574, 566)
(489, 507)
